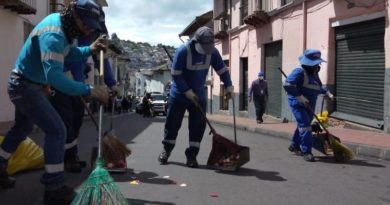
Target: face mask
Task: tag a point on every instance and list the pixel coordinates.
(261, 77)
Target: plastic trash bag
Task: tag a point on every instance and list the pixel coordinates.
(28, 156)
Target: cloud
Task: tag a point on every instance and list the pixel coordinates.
(153, 21)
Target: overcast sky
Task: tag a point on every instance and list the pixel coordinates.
(153, 21)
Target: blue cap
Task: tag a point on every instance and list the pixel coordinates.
(311, 57)
(261, 73)
(89, 12)
(204, 40)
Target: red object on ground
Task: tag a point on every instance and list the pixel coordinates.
(213, 194)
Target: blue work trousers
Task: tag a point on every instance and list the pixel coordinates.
(33, 107)
(196, 125)
(71, 110)
(302, 137)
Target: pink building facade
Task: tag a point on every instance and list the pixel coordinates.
(254, 35)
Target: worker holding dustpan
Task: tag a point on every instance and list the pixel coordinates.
(303, 86)
(189, 71)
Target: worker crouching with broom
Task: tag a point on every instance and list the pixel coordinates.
(189, 70)
(40, 63)
(303, 86)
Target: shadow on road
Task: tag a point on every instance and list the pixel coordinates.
(145, 202)
(184, 165)
(261, 175)
(355, 162)
(143, 177)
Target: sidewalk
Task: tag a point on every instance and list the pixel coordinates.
(362, 142)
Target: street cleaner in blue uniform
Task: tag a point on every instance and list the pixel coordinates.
(71, 108)
(189, 71)
(303, 86)
(41, 62)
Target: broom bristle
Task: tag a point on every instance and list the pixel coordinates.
(120, 146)
(341, 152)
(99, 189)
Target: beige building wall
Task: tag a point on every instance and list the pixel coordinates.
(11, 40)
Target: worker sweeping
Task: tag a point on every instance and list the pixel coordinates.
(303, 86)
(71, 108)
(189, 70)
(40, 62)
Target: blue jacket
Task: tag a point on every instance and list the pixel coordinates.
(44, 53)
(77, 68)
(189, 71)
(300, 83)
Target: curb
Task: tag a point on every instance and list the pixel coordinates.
(379, 153)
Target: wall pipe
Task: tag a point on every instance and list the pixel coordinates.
(304, 9)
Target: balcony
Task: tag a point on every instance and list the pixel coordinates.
(221, 26)
(257, 15)
(20, 6)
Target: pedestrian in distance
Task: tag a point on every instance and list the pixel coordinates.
(147, 105)
(259, 93)
(71, 108)
(41, 62)
(303, 86)
(189, 70)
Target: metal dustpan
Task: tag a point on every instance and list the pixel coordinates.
(225, 154)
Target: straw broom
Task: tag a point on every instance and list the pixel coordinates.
(99, 188)
(341, 153)
(113, 150)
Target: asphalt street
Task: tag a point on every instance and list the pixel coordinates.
(273, 176)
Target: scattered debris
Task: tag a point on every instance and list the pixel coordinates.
(213, 194)
(135, 182)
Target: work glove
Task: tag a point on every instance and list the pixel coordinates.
(99, 44)
(303, 100)
(192, 96)
(100, 93)
(229, 93)
(329, 95)
(114, 90)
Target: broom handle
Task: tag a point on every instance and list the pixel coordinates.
(89, 113)
(112, 114)
(101, 70)
(322, 105)
(309, 108)
(212, 130)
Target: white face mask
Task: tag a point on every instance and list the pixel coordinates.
(261, 77)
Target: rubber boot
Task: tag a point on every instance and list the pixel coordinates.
(6, 182)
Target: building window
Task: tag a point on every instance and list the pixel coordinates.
(284, 2)
(223, 103)
(243, 11)
(227, 19)
(244, 84)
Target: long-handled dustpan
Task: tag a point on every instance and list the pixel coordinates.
(226, 155)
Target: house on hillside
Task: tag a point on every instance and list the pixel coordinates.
(265, 35)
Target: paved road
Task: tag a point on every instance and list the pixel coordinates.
(273, 176)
